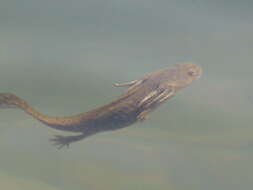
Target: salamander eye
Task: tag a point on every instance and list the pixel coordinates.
(192, 73)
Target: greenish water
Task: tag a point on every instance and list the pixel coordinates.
(63, 57)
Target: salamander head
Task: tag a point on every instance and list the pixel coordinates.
(182, 75)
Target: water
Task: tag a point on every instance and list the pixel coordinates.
(63, 57)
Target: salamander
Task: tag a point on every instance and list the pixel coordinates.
(142, 97)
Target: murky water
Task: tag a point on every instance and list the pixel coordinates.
(63, 57)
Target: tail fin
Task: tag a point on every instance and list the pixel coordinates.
(8, 100)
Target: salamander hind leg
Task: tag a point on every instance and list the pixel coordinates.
(61, 141)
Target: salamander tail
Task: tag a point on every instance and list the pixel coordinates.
(8, 100)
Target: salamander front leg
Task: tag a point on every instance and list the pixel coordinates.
(144, 115)
(126, 84)
(61, 141)
(152, 100)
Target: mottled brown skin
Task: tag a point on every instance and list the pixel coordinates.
(141, 98)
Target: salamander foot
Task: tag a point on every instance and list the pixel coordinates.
(61, 141)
